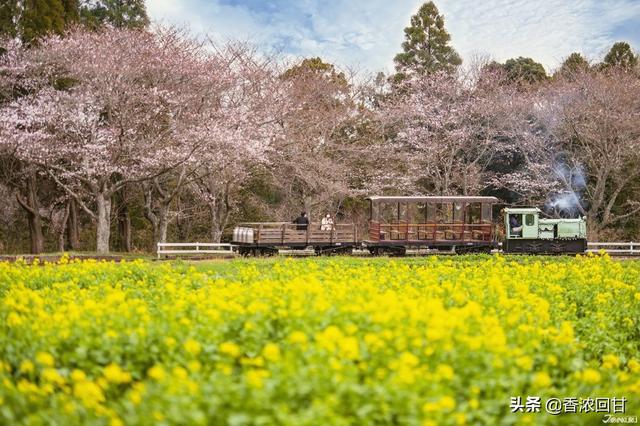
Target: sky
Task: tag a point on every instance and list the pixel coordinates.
(366, 34)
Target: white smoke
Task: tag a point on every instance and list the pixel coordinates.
(568, 202)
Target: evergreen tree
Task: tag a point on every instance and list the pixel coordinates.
(574, 64)
(620, 55)
(8, 15)
(30, 19)
(41, 17)
(524, 70)
(426, 46)
(119, 13)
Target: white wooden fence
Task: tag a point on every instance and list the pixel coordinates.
(180, 249)
(226, 249)
(616, 248)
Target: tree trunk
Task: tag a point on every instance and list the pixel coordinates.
(73, 231)
(103, 228)
(63, 229)
(163, 224)
(124, 228)
(216, 226)
(124, 221)
(32, 207)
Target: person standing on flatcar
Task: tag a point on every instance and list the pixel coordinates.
(302, 222)
(327, 223)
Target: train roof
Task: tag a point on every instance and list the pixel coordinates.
(434, 199)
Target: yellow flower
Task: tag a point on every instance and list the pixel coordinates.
(444, 371)
(157, 372)
(298, 337)
(114, 374)
(14, 320)
(194, 366)
(230, 349)
(88, 393)
(78, 375)
(180, 373)
(610, 361)
(26, 366)
(193, 347)
(409, 359)
(349, 347)
(271, 352)
(51, 375)
(634, 365)
(255, 378)
(590, 376)
(447, 403)
(525, 362)
(541, 380)
(44, 358)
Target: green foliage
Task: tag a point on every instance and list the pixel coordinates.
(32, 19)
(119, 13)
(574, 63)
(8, 13)
(525, 70)
(316, 67)
(426, 46)
(620, 55)
(41, 17)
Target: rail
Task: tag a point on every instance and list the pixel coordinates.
(165, 249)
(615, 248)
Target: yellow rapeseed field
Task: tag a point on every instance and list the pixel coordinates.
(336, 341)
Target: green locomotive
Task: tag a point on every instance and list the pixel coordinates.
(527, 232)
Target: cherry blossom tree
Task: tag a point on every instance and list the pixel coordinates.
(131, 113)
(246, 109)
(594, 119)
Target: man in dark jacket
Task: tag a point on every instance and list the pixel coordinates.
(302, 222)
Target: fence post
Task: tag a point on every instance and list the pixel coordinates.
(197, 246)
(158, 250)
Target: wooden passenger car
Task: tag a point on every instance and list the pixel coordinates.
(267, 237)
(463, 224)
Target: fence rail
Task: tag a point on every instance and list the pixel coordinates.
(615, 248)
(177, 249)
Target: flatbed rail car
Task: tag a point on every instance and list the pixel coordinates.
(264, 238)
(455, 223)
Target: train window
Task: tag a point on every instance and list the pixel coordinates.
(375, 215)
(529, 219)
(431, 212)
(474, 214)
(421, 212)
(388, 212)
(444, 212)
(486, 213)
(458, 212)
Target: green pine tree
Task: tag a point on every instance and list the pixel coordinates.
(41, 17)
(426, 47)
(119, 13)
(8, 16)
(524, 70)
(620, 55)
(574, 64)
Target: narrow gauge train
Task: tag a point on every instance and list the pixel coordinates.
(451, 223)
